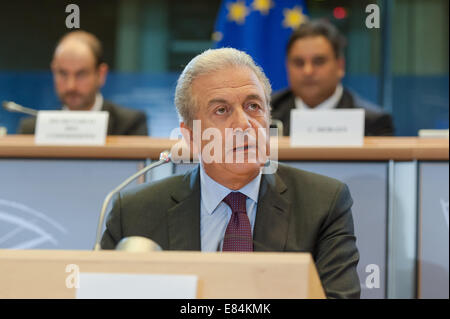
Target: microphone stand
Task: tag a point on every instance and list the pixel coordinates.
(164, 158)
(14, 107)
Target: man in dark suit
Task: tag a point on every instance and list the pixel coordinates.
(78, 73)
(233, 200)
(315, 66)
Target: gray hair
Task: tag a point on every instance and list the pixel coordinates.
(210, 61)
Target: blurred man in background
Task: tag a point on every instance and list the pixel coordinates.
(79, 73)
(316, 65)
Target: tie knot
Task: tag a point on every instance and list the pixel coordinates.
(236, 201)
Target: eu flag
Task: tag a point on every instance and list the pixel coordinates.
(262, 29)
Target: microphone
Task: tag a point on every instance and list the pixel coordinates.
(164, 157)
(14, 107)
(137, 244)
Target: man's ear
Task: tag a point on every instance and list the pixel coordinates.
(187, 133)
(102, 73)
(188, 137)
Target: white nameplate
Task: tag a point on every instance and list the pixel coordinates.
(136, 286)
(3, 131)
(71, 128)
(343, 127)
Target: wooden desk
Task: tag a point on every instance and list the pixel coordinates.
(138, 147)
(43, 273)
(385, 177)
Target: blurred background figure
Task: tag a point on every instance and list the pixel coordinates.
(79, 72)
(316, 66)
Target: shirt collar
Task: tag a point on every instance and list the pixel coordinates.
(328, 104)
(213, 193)
(98, 103)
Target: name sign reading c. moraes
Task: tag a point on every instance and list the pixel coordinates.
(343, 127)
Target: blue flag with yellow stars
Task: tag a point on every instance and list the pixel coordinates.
(262, 29)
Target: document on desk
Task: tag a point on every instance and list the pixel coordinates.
(136, 286)
(339, 127)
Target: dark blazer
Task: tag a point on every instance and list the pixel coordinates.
(122, 121)
(377, 122)
(297, 211)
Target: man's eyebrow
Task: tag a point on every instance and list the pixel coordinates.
(254, 97)
(217, 101)
(319, 55)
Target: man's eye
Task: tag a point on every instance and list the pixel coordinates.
(298, 63)
(319, 61)
(253, 107)
(81, 74)
(221, 110)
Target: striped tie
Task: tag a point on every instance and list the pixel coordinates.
(238, 236)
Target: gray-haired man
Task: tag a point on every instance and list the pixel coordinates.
(233, 206)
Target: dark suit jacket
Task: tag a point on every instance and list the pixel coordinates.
(297, 211)
(377, 123)
(122, 121)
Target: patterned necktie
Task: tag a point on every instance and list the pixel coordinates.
(238, 236)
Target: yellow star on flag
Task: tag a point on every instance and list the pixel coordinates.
(293, 18)
(263, 5)
(237, 11)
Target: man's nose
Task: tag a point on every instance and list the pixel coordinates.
(241, 119)
(71, 82)
(308, 69)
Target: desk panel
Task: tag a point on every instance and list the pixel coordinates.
(433, 230)
(55, 204)
(368, 184)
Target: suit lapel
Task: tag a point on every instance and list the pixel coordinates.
(184, 217)
(272, 217)
(286, 117)
(346, 101)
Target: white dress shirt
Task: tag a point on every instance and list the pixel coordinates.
(328, 104)
(215, 214)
